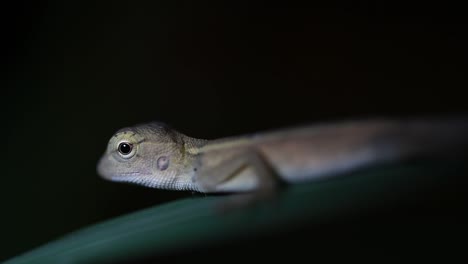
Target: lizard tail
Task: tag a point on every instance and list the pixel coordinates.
(342, 148)
(444, 138)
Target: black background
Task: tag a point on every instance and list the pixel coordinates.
(76, 71)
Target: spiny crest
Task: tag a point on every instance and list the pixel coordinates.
(157, 130)
(145, 128)
(153, 128)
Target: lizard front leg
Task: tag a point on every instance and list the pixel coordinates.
(242, 171)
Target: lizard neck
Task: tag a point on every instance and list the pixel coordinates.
(200, 146)
(190, 149)
(192, 146)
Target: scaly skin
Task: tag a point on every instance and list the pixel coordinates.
(159, 157)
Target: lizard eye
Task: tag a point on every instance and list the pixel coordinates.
(125, 149)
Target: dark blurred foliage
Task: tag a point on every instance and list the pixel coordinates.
(76, 71)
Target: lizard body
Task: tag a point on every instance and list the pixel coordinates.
(154, 155)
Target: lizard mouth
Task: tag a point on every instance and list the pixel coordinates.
(134, 178)
(125, 176)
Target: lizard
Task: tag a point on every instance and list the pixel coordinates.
(156, 155)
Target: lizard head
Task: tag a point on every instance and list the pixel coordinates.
(151, 155)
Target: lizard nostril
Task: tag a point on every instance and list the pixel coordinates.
(102, 168)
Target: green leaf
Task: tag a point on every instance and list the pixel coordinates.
(196, 222)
